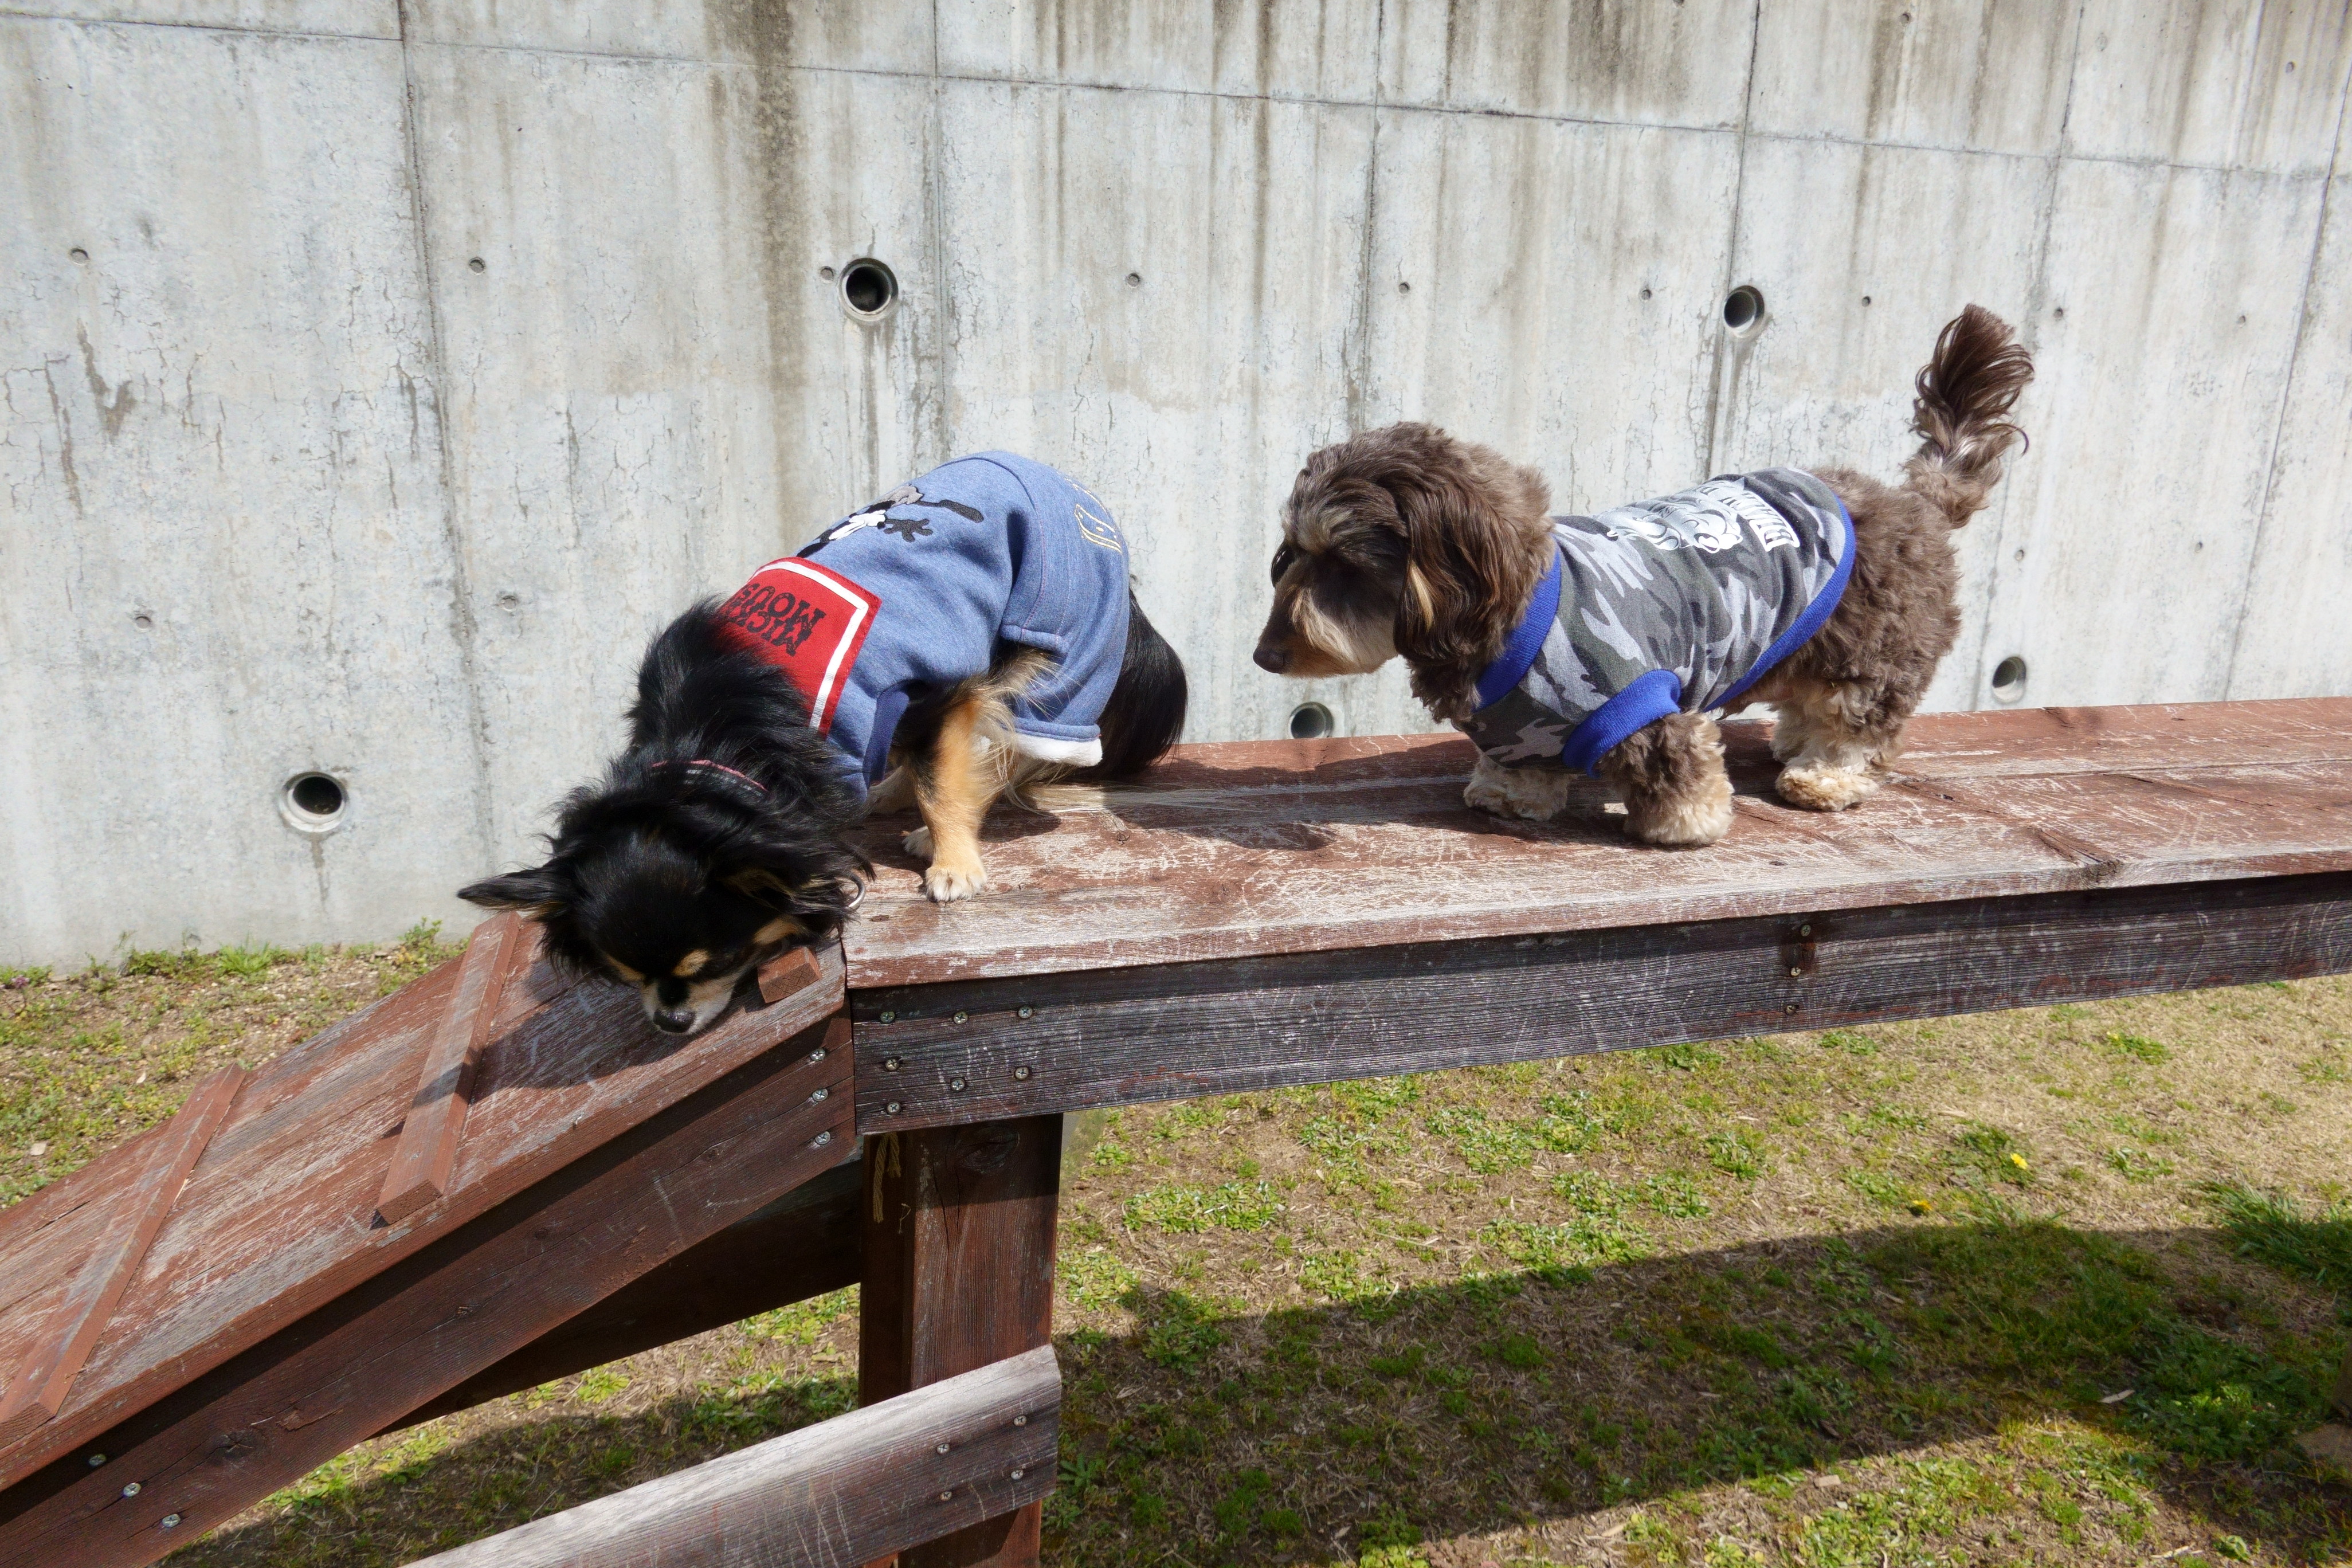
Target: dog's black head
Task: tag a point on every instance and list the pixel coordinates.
(718, 841)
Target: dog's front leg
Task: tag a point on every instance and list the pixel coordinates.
(954, 787)
(1671, 777)
(1532, 794)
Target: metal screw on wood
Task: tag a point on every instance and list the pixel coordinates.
(1026, 1012)
(95, 1460)
(170, 1521)
(1018, 1474)
(943, 1447)
(889, 1017)
(1804, 931)
(947, 1497)
(822, 1094)
(962, 1017)
(893, 1108)
(131, 1491)
(955, 1084)
(890, 1064)
(1021, 1420)
(817, 1054)
(1021, 1072)
(1796, 970)
(1789, 1008)
(821, 1140)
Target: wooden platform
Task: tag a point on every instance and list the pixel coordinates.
(490, 1178)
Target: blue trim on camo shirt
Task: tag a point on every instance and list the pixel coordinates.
(1519, 655)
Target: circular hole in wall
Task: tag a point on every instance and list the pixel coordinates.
(478, 265)
(2009, 679)
(79, 254)
(1743, 309)
(313, 802)
(1311, 721)
(868, 287)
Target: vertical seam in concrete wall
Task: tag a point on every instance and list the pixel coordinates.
(461, 593)
(2028, 332)
(2287, 392)
(943, 328)
(1357, 372)
(1715, 387)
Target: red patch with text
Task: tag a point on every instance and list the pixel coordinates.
(806, 621)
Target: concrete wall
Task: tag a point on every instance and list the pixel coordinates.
(376, 374)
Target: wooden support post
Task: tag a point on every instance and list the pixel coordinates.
(2344, 1386)
(959, 1273)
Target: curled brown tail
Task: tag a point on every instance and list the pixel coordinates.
(1964, 392)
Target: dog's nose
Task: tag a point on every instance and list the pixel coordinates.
(1272, 657)
(674, 1020)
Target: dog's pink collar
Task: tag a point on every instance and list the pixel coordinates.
(707, 762)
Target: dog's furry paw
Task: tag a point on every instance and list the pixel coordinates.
(1690, 823)
(1531, 794)
(952, 884)
(1826, 789)
(917, 841)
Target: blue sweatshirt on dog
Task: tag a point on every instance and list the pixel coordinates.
(914, 592)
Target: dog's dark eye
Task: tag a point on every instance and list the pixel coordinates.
(1282, 560)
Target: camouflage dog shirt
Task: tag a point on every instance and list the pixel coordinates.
(1676, 605)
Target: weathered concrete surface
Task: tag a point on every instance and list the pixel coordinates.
(292, 485)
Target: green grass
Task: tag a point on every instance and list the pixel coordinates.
(2052, 1286)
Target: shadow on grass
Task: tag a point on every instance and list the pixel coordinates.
(1357, 1426)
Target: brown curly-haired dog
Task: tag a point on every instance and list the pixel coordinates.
(1406, 541)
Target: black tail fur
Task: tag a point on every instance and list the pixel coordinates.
(1145, 712)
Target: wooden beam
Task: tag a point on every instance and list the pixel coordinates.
(803, 1244)
(327, 1381)
(788, 973)
(930, 1056)
(427, 1151)
(958, 1273)
(858, 1487)
(37, 1391)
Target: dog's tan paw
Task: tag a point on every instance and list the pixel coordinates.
(1531, 794)
(1685, 824)
(1826, 789)
(917, 841)
(947, 884)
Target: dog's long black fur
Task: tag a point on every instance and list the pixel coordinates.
(669, 857)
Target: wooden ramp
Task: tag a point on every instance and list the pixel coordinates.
(487, 1179)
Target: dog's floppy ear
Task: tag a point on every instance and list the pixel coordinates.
(542, 891)
(1472, 524)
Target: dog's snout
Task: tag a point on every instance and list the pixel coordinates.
(674, 1020)
(1272, 657)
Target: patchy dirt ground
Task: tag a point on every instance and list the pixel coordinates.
(2049, 1287)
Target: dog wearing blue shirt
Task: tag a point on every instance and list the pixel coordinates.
(970, 633)
(1601, 645)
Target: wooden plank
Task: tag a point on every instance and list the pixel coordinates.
(805, 1244)
(276, 1221)
(478, 1293)
(1244, 850)
(788, 973)
(38, 1387)
(959, 1273)
(1053, 1043)
(858, 1487)
(427, 1150)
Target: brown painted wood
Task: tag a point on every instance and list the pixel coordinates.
(890, 1476)
(277, 1218)
(478, 1293)
(1235, 851)
(803, 1244)
(1114, 1036)
(959, 1273)
(427, 1151)
(789, 973)
(37, 1388)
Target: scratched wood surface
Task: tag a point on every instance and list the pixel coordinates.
(1230, 851)
(277, 1218)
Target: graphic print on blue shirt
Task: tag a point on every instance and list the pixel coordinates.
(1675, 605)
(980, 551)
